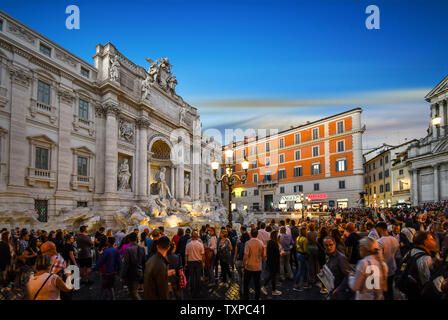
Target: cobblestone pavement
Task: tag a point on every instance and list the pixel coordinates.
(92, 292)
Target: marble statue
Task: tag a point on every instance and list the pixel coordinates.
(171, 82)
(187, 185)
(126, 131)
(182, 112)
(114, 69)
(124, 176)
(163, 187)
(145, 87)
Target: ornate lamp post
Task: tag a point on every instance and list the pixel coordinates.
(229, 176)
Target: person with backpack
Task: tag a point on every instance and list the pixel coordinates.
(287, 244)
(133, 266)
(225, 257)
(293, 256)
(233, 237)
(239, 255)
(417, 265)
(406, 236)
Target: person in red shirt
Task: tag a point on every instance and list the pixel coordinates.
(176, 238)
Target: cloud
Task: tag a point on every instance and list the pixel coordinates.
(364, 98)
(390, 116)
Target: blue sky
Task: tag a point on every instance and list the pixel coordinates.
(272, 64)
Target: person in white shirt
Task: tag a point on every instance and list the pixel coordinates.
(263, 235)
(194, 260)
(365, 269)
(390, 248)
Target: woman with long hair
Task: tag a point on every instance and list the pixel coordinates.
(272, 263)
(210, 256)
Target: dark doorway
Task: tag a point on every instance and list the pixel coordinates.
(268, 202)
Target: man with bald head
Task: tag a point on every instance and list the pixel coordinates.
(352, 244)
(194, 261)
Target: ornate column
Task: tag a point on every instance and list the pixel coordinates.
(443, 114)
(20, 98)
(142, 147)
(110, 155)
(436, 182)
(196, 158)
(172, 186)
(414, 187)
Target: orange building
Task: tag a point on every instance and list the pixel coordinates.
(320, 161)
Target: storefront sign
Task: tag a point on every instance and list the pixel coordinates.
(318, 196)
(292, 197)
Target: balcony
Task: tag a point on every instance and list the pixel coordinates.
(41, 175)
(267, 183)
(404, 191)
(81, 181)
(48, 110)
(86, 124)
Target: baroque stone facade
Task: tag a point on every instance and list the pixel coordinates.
(428, 158)
(75, 135)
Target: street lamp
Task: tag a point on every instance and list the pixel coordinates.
(436, 121)
(229, 176)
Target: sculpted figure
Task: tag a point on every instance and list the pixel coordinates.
(172, 82)
(145, 87)
(182, 112)
(187, 186)
(163, 187)
(114, 69)
(124, 175)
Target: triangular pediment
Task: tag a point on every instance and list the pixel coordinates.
(440, 88)
(42, 138)
(83, 149)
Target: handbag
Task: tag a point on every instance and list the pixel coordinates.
(182, 279)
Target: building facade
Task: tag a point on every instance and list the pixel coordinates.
(385, 174)
(76, 135)
(321, 160)
(428, 158)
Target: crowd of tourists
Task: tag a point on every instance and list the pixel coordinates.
(362, 254)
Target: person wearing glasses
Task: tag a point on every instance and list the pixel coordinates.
(338, 264)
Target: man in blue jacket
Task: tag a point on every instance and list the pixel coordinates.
(112, 262)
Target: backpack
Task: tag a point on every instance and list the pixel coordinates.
(407, 279)
(225, 254)
(241, 247)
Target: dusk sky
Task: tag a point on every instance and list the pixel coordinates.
(272, 64)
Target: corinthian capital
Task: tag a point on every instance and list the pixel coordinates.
(111, 108)
(142, 123)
